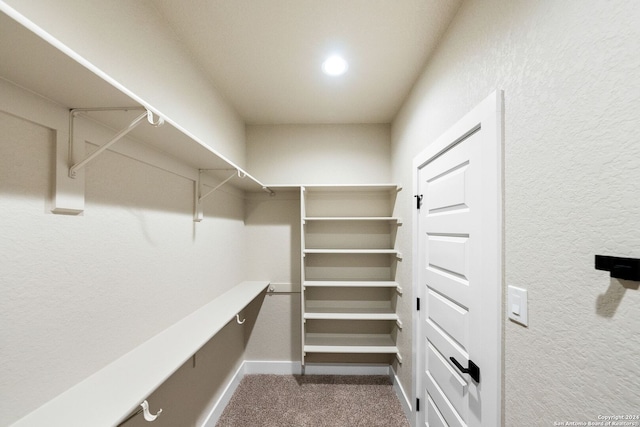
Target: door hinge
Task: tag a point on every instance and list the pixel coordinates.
(417, 404)
(418, 304)
(418, 201)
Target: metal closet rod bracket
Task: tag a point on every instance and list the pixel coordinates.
(73, 170)
(201, 197)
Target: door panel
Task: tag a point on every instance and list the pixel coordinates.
(436, 419)
(448, 253)
(449, 381)
(452, 319)
(459, 255)
(450, 415)
(454, 286)
(450, 308)
(447, 191)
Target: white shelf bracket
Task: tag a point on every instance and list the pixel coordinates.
(399, 357)
(200, 195)
(73, 170)
(70, 159)
(399, 323)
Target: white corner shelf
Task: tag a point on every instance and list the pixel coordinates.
(111, 394)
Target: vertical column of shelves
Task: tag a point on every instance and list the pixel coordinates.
(349, 290)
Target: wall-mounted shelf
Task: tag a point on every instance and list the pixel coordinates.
(352, 284)
(392, 220)
(348, 256)
(350, 343)
(71, 85)
(353, 251)
(109, 395)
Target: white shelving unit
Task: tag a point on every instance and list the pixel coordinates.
(348, 270)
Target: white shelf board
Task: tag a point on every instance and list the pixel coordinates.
(71, 84)
(351, 251)
(349, 343)
(351, 188)
(353, 218)
(109, 395)
(350, 315)
(347, 283)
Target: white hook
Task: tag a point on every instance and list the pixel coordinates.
(241, 174)
(240, 322)
(157, 123)
(148, 415)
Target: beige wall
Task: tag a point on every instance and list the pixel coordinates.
(77, 292)
(273, 252)
(319, 154)
(571, 77)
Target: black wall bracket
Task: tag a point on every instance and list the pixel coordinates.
(620, 268)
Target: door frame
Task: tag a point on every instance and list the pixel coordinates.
(488, 115)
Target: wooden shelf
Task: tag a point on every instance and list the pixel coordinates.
(349, 343)
(109, 395)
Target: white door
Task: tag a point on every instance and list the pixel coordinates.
(459, 272)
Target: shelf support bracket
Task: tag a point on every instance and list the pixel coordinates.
(73, 170)
(199, 196)
(68, 197)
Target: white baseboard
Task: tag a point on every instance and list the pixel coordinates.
(295, 368)
(402, 396)
(224, 399)
(269, 367)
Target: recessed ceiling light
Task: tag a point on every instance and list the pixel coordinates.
(335, 66)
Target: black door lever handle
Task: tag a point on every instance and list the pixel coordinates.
(473, 370)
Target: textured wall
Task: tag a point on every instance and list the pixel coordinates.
(79, 291)
(570, 72)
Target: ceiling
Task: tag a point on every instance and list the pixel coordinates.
(265, 56)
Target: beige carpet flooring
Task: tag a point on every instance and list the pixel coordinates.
(314, 400)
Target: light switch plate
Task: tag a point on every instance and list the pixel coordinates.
(517, 305)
